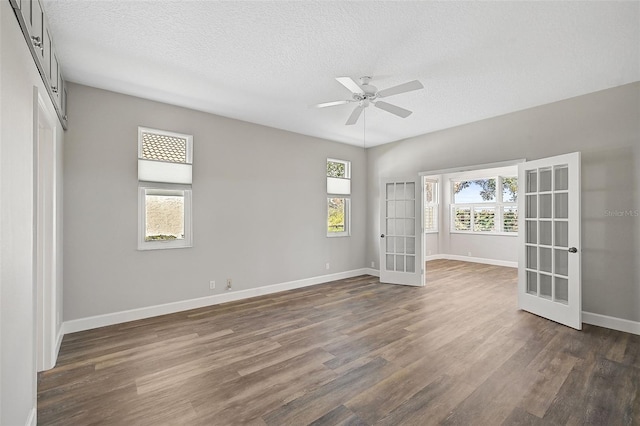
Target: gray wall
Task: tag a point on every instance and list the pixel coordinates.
(432, 244)
(494, 247)
(604, 126)
(18, 76)
(259, 207)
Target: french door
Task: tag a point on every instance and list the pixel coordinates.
(401, 259)
(549, 282)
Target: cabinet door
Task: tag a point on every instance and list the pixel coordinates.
(46, 50)
(35, 31)
(25, 11)
(63, 100)
(58, 92)
(53, 80)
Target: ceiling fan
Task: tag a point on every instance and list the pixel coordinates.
(365, 94)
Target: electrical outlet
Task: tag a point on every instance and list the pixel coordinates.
(429, 252)
(327, 265)
(212, 285)
(469, 254)
(228, 283)
(373, 264)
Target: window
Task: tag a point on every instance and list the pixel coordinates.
(164, 189)
(338, 198)
(484, 219)
(462, 218)
(430, 205)
(479, 207)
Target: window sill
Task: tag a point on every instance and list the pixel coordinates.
(159, 245)
(495, 234)
(344, 234)
(431, 232)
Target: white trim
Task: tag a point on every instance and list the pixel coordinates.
(495, 262)
(372, 272)
(97, 321)
(474, 167)
(59, 338)
(613, 323)
(46, 237)
(434, 257)
(494, 233)
(32, 420)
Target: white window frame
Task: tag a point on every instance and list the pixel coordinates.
(168, 183)
(346, 195)
(498, 205)
(347, 217)
(435, 204)
(168, 189)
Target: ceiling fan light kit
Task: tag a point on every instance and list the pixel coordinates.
(366, 94)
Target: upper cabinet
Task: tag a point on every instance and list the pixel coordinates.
(36, 32)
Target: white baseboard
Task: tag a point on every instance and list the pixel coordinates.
(58, 342)
(495, 262)
(613, 323)
(97, 321)
(373, 272)
(33, 418)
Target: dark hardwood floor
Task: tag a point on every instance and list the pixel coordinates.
(350, 352)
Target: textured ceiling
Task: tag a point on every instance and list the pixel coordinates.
(266, 62)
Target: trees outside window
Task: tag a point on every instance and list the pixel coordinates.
(479, 207)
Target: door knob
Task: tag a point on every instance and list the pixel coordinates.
(573, 250)
(381, 235)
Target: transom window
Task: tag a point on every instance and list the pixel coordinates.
(162, 147)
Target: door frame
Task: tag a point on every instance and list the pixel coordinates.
(458, 169)
(45, 236)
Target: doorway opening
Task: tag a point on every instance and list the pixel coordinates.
(538, 202)
(471, 215)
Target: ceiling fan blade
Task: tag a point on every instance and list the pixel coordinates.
(400, 112)
(334, 103)
(353, 118)
(402, 88)
(350, 84)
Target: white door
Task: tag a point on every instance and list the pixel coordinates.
(549, 282)
(400, 245)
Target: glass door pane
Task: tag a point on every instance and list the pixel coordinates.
(547, 233)
(400, 227)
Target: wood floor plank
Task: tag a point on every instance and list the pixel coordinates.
(350, 352)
